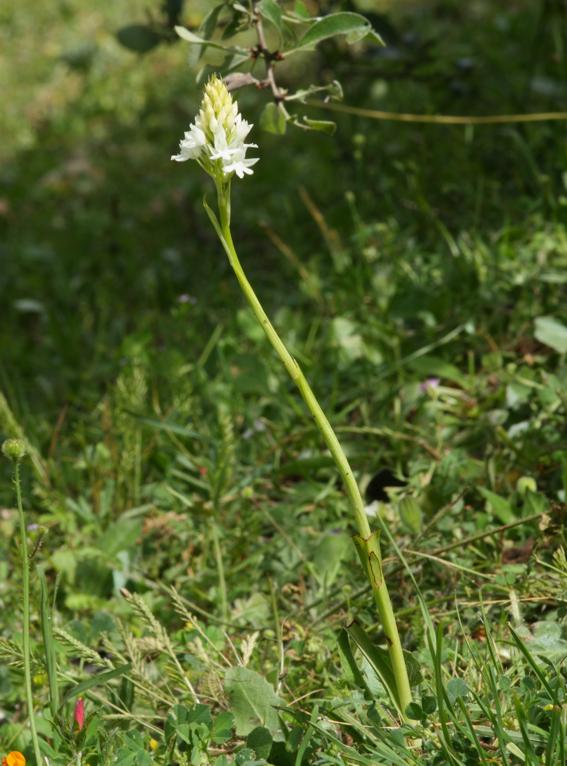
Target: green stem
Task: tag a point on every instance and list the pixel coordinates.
(220, 568)
(378, 584)
(26, 628)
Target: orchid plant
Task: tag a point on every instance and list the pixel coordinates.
(217, 142)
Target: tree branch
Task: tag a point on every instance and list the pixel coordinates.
(269, 59)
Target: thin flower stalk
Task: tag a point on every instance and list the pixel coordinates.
(216, 141)
(15, 450)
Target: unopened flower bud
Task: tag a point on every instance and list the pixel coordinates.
(526, 484)
(14, 449)
(79, 713)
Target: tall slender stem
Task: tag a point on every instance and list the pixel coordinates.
(367, 541)
(220, 566)
(26, 620)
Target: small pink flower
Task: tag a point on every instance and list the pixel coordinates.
(429, 385)
(79, 713)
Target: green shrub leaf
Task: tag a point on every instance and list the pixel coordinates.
(353, 25)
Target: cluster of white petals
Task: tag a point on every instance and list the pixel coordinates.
(217, 137)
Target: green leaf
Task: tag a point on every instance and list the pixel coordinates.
(428, 705)
(499, 506)
(353, 25)
(301, 10)
(139, 38)
(97, 680)
(328, 556)
(270, 10)
(456, 688)
(545, 639)
(433, 366)
(49, 645)
(323, 126)
(377, 657)
(252, 701)
(254, 611)
(209, 23)
(349, 661)
(410, 514)
(552, 333)
(191, 37)
(414, 711)
(260, 740)
(122, 535)
(346, 336)
(221, 729)
(273, 119)
(164, 425)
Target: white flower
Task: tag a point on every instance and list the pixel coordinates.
(240, 165)
(190, 145)
(217, 137)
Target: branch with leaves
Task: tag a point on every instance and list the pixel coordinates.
(281, 29)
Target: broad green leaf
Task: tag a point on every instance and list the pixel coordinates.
(323, 126)
(545, 639)
(139, 38)
(414, 711)
(252, 701)
(457, 688)
(428, 704)
(300, 9)
(221, 730)
(499, 506)
(273, 119)
(65, 561)
(270, 10)
(410, 514)
(209, 23)
(253, 611)
(191, 37)
(353, 25)
(552, 333)
(328, 556)
(260, 741)
(122, 535)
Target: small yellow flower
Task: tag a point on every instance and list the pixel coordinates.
(154, 744)
(14, 759)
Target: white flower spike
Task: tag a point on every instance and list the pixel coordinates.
(216, 138)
